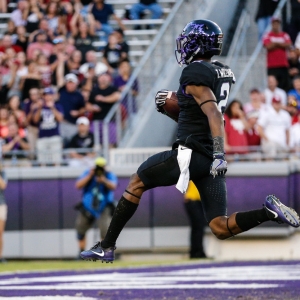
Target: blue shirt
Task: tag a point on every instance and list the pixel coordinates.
(296, 95)
(103, 15)
(96, 195)
(70, 101)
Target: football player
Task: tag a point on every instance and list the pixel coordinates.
(198, 153)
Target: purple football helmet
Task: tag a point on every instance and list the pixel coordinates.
(199, 37)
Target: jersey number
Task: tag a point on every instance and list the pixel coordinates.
(224, 94)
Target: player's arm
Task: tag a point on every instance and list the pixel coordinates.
(208, 103)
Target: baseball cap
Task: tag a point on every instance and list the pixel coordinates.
(57, 41)
(276, 99)
(83, 120)
(48, 90)
(71, 77)
(275, 19)
(100, 162)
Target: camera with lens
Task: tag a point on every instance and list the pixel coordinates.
(99, 171)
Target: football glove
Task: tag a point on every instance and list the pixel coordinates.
(160, 100)
(219, 165)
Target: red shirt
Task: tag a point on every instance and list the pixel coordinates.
(277, 57)
(236, 134)
(15, 47)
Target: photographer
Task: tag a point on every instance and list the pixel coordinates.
(98, 185)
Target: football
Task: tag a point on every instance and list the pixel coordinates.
(171, 107)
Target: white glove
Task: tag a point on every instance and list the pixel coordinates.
(160, 100)
(219, 165)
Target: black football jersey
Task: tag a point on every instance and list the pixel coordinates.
(192, 121)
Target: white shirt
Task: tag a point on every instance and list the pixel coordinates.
(99, 69)
(295, 135)
(275, 124)
(277, 92)
(16, 17)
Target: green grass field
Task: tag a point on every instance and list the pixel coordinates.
(47, 265)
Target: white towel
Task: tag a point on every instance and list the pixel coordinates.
(183, 158)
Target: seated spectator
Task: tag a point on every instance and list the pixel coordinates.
(120, 81)
(21, 38)
(7, 80)
(295, 135)
(138, 8)
(253, 137)
(83, 140)
(3, 121)
(273, 126)
(30, 105)
(236, 126)
(31, 80)
(33, 15)
(102, 13)
(255, 103)
(113, 54)
(92, 60)
(6, 44)
(102, 98)
(72, 102)
(48, 116)
(40, 44)
(294, 64)
(44, 70)
(15, 110)
(18, 15)
(295, 92)
(14, 142)
(274, 91)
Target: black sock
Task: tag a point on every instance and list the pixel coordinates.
(249, 219)
(123, 212)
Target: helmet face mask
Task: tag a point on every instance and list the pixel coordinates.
(199, 37)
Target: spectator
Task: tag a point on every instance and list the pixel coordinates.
(52, 15)
(194, 210)
(43, 27)
(30, 105)
(295, 135)
(90, 79)
(255, 103)
(72, 102)
(97, 202)
(83, 140)
(22, 39)
(120, 81)
(3, 121)
(33, 15)
(104, 96)
(14, 109)
(40, 44)
(18, 16)
(7, 44)
(295, 92)
(274, 91)
(92, 60)
(294, 64)
(31, 80)
(44, 69)
(48, 116)
(113, 54)
(84, 36)
(14, 142)
(253, 137)
(3, 211)
(292, 108)
(11, 30)
(102, 12)
(273, 126)
(119, 33)
(277, 42)
(138, 8)
(236, 126)
(265, 10)
(7, 80)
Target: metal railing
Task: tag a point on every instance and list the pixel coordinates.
(253, 67)
(149, 69)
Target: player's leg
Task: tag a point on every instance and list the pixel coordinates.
(82, 224)
(159, 170)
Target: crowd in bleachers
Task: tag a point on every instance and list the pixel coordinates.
(51, 74)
